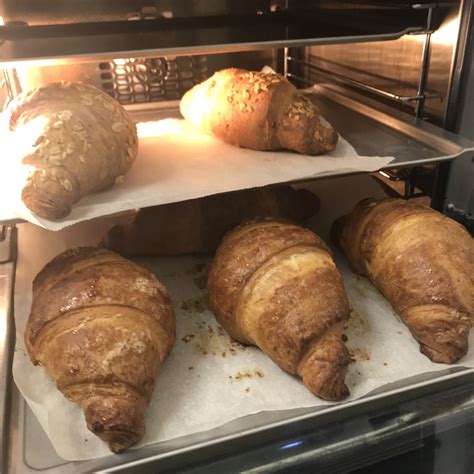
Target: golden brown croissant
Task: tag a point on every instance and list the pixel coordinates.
(275, 285)
(102, 327)
(80, 141)
(198, 225)
(423, 262)
(257, 110)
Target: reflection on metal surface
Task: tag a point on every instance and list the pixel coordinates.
(395, 66)
(392, 66)
(293, 444)
(334, 76)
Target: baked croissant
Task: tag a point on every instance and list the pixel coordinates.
(70, 139)
(257, 110)
(102, 327)
(198, 225)
(275, 285)
(423, 262)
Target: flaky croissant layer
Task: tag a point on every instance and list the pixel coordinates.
(423, 262)
(275, 285)
(102, 327)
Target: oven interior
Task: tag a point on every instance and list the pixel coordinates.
(381, 65)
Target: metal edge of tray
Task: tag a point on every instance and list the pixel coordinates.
(449, 145)
(8, 247)
(435, 137)
(58, 59)
(335, 412)
(365, 439)
(164, 455)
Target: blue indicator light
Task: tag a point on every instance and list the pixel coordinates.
(291, 445)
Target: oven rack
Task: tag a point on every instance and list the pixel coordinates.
(277, 27)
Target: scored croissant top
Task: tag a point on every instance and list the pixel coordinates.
(423, 262)
(93, 277)
(101, 326)
(275, 285)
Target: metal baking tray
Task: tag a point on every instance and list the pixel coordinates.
(373, 129)
(30, 450)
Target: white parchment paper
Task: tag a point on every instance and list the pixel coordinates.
(177, 162)
(208, 380)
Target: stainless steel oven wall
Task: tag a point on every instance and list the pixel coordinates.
(459, 201)
(394, 66)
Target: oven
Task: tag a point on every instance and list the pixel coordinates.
(394, 78)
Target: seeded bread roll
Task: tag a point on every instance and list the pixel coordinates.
(73, 139)
(257, 110)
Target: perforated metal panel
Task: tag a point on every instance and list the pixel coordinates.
(151, 80)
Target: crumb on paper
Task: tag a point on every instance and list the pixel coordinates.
(198, 268)
(86, 440)
(357, 324)
(200, 282)
(190, 368)
(399, 332)
(194, 305)
(361, 290)
(344, 338)
(200, 349)
(247, 374)
(360, 354)
(385, 363)
(211, 339)
(188, 337)
(247, 389)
